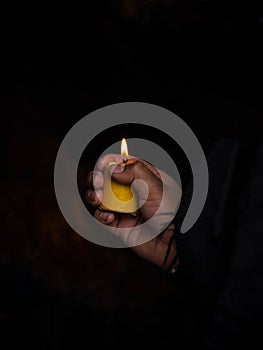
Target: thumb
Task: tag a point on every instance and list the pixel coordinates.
(134, 169)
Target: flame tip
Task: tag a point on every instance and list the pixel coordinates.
(124, 148)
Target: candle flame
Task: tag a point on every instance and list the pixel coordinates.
(124, 148)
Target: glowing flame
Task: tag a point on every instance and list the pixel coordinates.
(124, 148)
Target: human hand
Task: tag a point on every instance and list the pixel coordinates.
(149, 185)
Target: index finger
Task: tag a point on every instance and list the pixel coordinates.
(109, 158)
(118, 158)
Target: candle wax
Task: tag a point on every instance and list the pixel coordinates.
(117, 197)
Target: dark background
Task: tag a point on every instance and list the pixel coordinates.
(200, 59)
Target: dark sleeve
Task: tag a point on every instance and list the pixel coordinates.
(237, 318)
(220, 273)
(202, 250)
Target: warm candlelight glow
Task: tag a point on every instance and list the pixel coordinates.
(124, 148)
(116, 196)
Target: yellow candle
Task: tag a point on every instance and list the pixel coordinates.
(118, 197)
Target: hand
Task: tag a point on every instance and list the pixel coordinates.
(161, 249)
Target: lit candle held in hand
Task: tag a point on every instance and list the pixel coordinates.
(118, 197)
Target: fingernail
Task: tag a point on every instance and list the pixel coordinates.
(117, 169)
(104, 216)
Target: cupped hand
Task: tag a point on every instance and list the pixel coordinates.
(149, 185)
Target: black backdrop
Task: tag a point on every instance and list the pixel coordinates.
(200, 59)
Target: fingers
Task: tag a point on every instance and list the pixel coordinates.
(116, 220)
(95, 180)
(109, 158)
(136, 170)
(118, 159)
(94, 194)
(121, 225)
(147, 187)
(94, 198)
(104, 217)
(147, 182)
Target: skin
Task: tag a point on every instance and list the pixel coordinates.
(155, 249)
